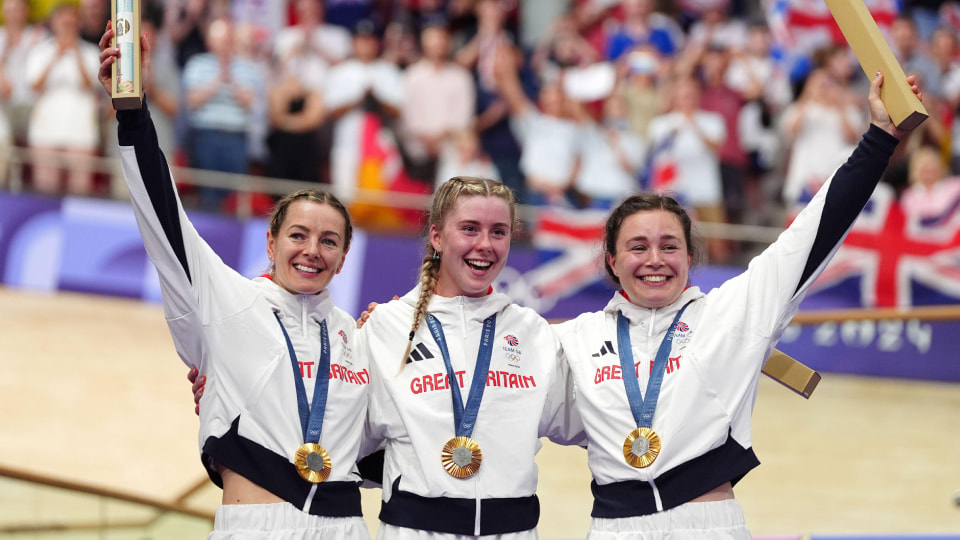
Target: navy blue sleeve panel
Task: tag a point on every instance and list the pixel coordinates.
(848, 193)
(135, 128)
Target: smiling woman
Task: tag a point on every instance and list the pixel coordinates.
(265, 345)
(464, 470)
(668, 414)
(308, 240)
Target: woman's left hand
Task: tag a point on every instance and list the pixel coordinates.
(109, 55)
(878, 111)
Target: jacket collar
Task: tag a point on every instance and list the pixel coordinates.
(476, 308)
(636, 314)
(316, 306)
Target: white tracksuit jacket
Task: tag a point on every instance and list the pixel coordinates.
(224, 324)
(723, 339)
(411, 414)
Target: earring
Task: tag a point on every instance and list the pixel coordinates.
(436, 255)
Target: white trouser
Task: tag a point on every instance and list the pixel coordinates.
(392, 532)
(715, 520)
(282, 521)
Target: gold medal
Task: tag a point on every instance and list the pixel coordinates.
(461, 457)
(641, 447)
(313, 463)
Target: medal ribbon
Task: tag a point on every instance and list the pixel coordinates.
(311, 414)
(643, 409)
(464, 418)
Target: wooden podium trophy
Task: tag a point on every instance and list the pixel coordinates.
(127, 92)
(874, 54)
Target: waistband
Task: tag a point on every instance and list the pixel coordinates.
(727, 463)
(458, 516)
(277, 475)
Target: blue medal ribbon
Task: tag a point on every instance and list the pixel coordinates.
(464, 418)
(641, 408)
(311, 414)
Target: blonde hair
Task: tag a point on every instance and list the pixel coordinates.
(444, 199)
(920, 157)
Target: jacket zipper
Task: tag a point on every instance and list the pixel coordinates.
(653, 484)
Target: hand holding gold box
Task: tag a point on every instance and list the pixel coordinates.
(874, 54)
(127, 92)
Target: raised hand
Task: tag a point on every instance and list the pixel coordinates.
(878, 112)
(109, 55)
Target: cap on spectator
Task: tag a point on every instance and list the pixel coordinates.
(366, 27)
(434, 20)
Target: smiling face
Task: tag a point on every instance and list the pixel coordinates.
(473, 242)
(308, 248)
(652, 258)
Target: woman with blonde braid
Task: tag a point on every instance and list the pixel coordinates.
(463, 382)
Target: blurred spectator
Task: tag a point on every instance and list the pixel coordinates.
(951, 95)
(686, 143)
(715, 28)
(641, 25)
(765, 90)
(311, 39)
(62, 70)
(548, 137)
(297, 112)
(17, 40)
(258, 125)
(360, 86)
(820, 129)
(913, 57)
(930, 193)
(841, 65)
(462, 156)
(643, 96)
(187, 20)
(258, 22)
(924, 15)
(220, 88)
(438, 100)
(163, 86)
(400, 42)
(719, 98)
(755, 74)
(561, 47)
(479, 54)
(611, 155)
(93, 17)
(943, 52)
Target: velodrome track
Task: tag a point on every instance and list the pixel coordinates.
(92, 392)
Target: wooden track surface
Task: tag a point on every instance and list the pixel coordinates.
(91, 388)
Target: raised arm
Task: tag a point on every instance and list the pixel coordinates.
(854, 182)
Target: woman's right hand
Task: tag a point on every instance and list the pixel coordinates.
(197, 388)
(109, 55)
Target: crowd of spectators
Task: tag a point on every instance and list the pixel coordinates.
(571, 103)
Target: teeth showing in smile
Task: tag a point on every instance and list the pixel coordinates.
(303, 268)
(653, 279)
(479, 265)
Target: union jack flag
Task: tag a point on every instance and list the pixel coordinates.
(343, 336)
(512, 340)
(682, 327)
(802, 26)
(570, 242)
(897, 258)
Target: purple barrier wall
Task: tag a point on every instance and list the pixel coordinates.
(93, 246)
